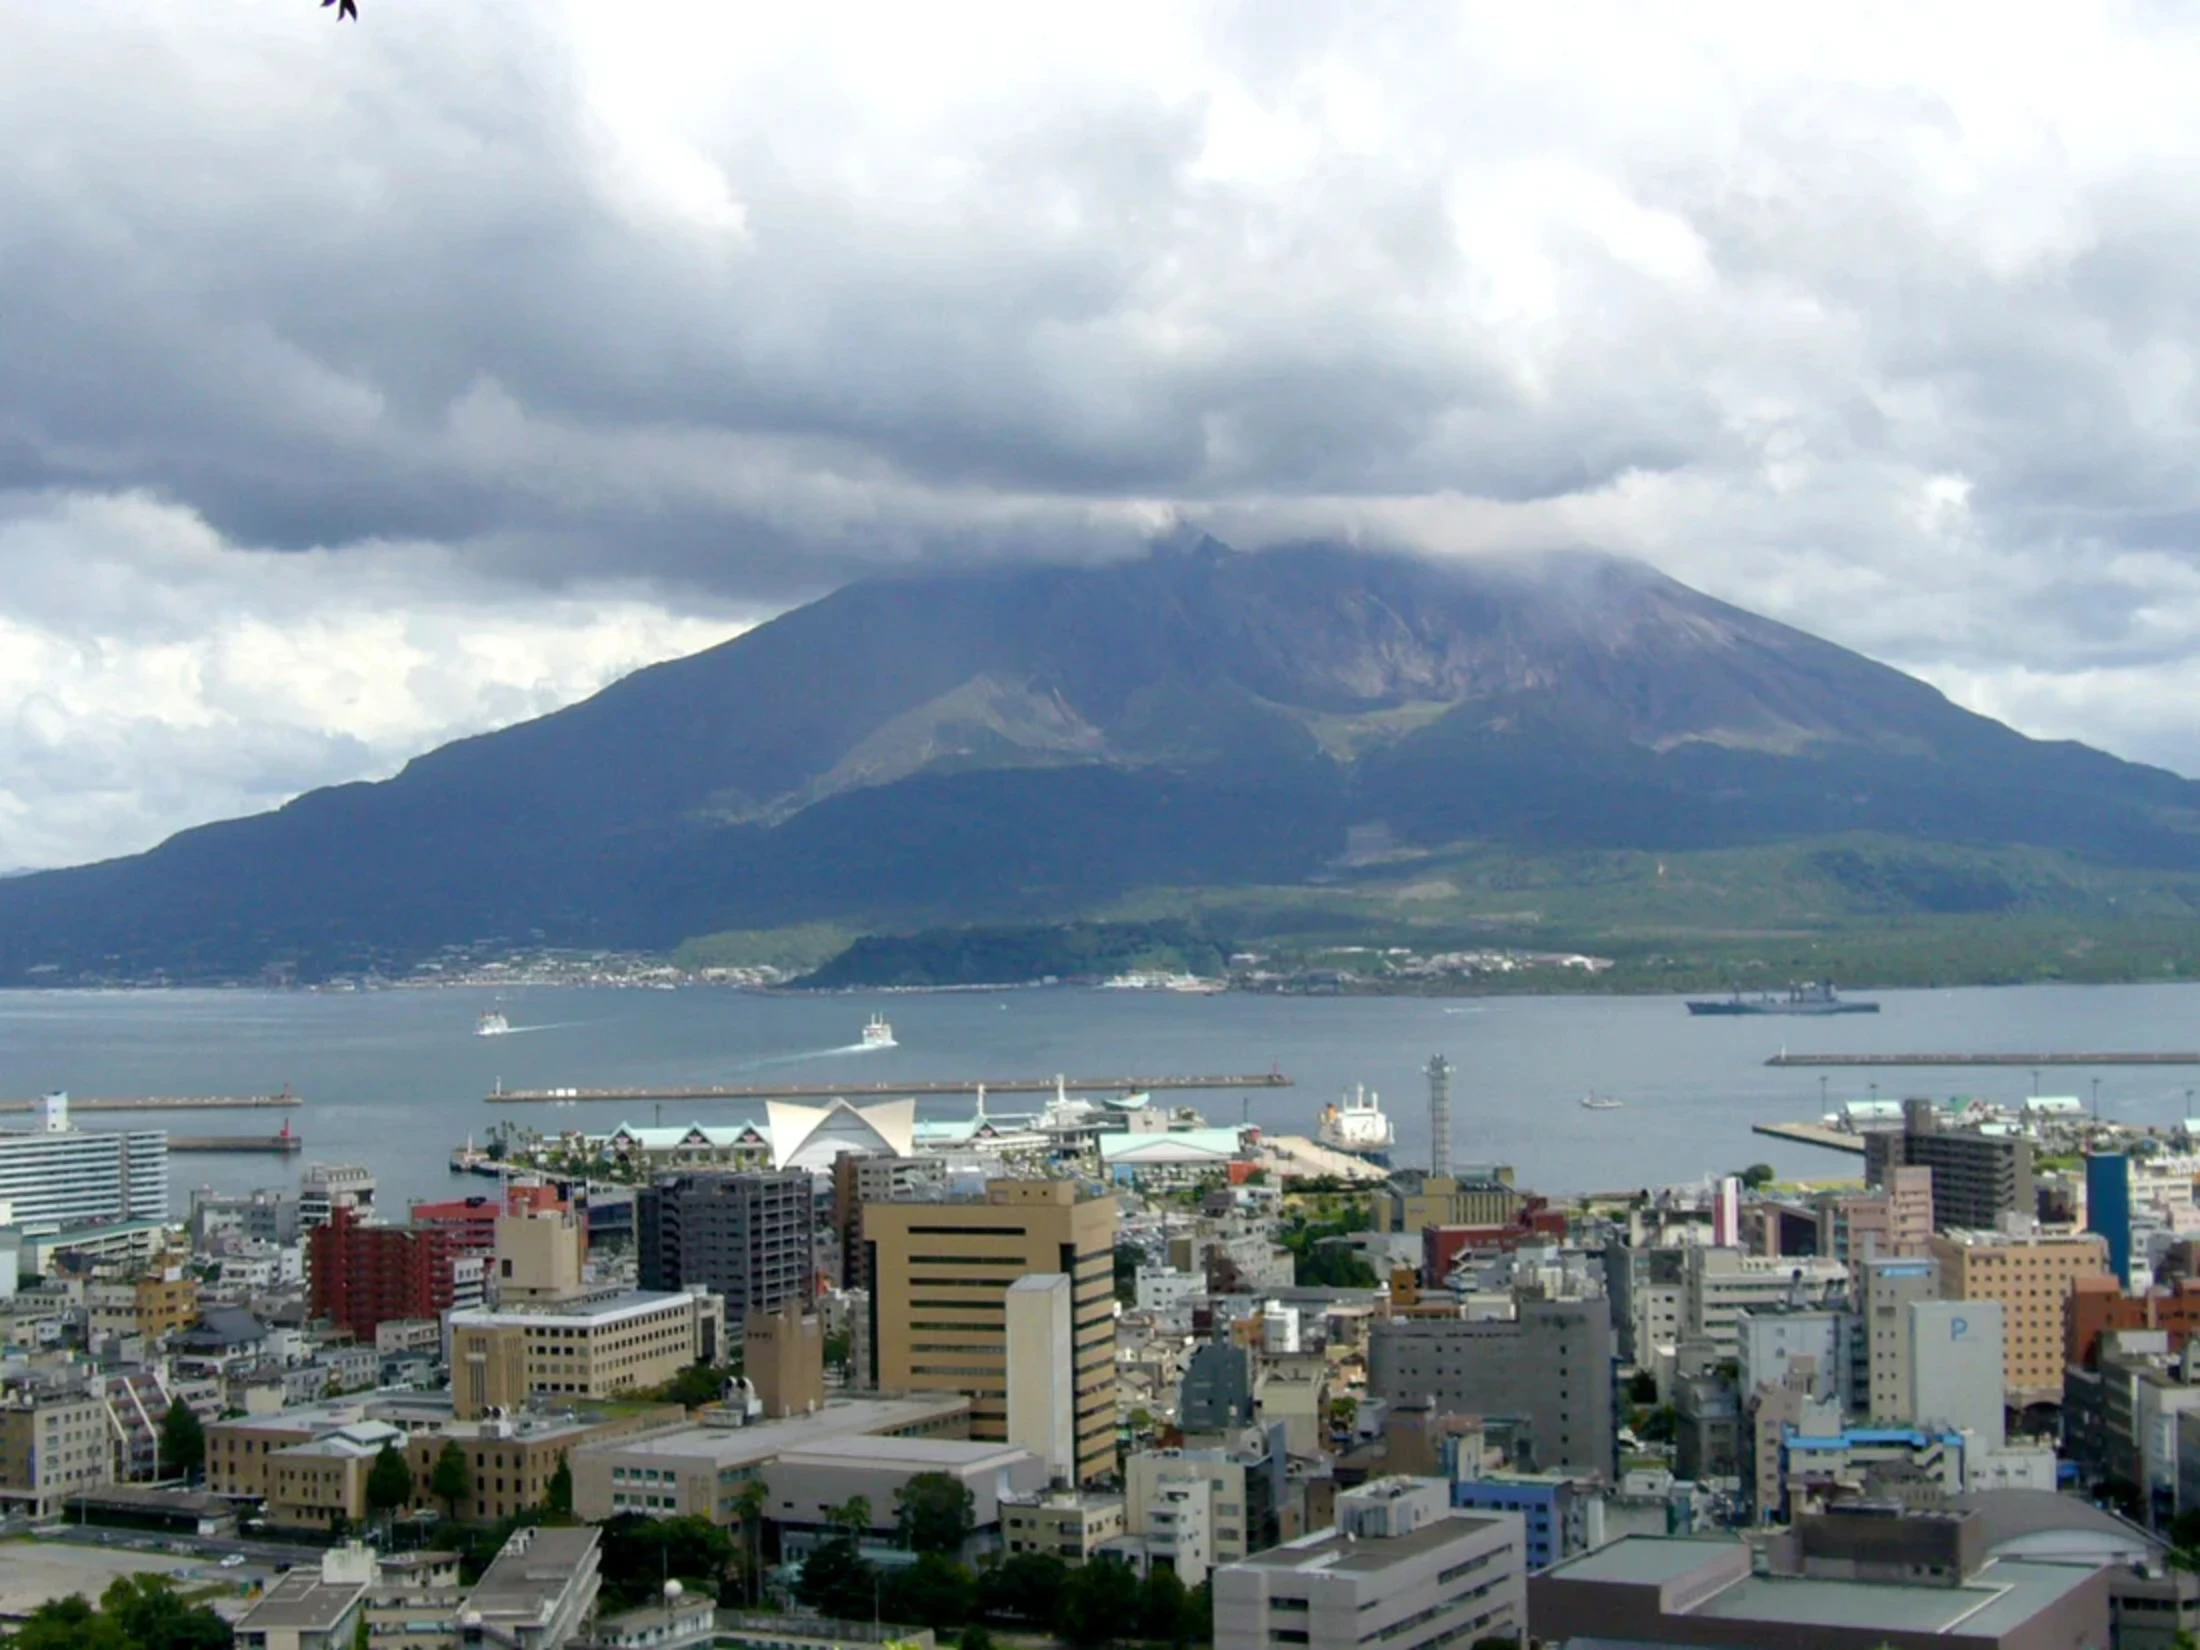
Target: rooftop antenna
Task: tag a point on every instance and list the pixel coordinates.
(1439, 1117)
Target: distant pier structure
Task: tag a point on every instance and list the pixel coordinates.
(908, 1087)
(1439, 1116)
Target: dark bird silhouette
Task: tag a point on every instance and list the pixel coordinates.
(344, 9)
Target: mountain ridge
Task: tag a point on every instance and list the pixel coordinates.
(1029, 741)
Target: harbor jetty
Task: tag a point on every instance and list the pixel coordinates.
(912, 1088)
(2096, 1058)
(281, 1145)
(1812, 1134)
(166, 1102)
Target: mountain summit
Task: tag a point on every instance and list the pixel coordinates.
(1030, 742)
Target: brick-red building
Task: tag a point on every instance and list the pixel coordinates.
(472, 1221)
(363, 1276)
(2097, 1305)
(1441, 1246)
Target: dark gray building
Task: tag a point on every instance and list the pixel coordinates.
(1548, 1371)
(1217, 1390)
(1977, 1178)
(745, 1236)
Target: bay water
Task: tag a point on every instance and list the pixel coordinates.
(395, 1079)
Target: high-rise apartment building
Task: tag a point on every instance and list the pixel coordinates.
(362, 1276)
(1977, 1178)
(941, 1271)
(1887, 1286)
(2031, 1274)
(744, 1236)
(54, 1174)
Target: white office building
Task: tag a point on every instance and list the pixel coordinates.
(1402, 1571)
(56, 1175)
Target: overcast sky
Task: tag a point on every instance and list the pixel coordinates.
(366, 384)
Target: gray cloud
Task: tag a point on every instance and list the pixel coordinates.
(594, 330)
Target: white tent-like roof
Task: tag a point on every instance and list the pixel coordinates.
(810, 1137)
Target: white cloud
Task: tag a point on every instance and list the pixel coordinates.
(154, 676)
(374, 354)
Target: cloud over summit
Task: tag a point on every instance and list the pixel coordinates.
(359, 387)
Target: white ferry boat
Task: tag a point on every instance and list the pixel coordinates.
(1357, 1125)
(492, 1024)
(1601, 1102)
(878, 1034)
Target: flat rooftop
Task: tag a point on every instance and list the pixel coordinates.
(761, 1441)
(2004, 1594)
(925, 1454)
(607, 1309)
(301, 1599)
(1334, 1554)
(521, 1585)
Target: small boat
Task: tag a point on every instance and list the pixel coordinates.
(1601, 1102)
(878, 1034)
(492, 1024)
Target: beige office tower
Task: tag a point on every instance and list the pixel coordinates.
(941, 1272)
(1887, 1285)
(1042, 1361)
(784, 1360)
(539, 1256)
(2030, 1272)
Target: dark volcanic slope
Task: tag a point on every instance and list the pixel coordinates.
(1020, 742)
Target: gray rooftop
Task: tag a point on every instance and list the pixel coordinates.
(530, 1574)
(2004, 1594)
(1334, 1554)
(934, 1454)
(301, 1599)
(742, 1446)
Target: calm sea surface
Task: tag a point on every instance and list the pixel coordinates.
(396, 1079)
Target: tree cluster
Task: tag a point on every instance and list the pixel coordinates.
(142, 1612)
(1095, 1604)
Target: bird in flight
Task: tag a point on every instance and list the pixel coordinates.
(344, 9)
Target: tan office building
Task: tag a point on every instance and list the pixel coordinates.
(942, 1271)
(582, 1349)
(2030, 1275)
(52, 1445)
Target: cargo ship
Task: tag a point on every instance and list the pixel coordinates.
(1817, 997)
(1356, 1124)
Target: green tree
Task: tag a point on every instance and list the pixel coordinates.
(1025, 1589)
(153, 1616)
(182, 1441)
(1758, 1174)
(934, 1512)
(852, 1516)
(451, 1480)
(68, 1624)
(694, 1386)
(934, 1592)
(839, 1348)
(389, 1482)
(837, 1581)
(1200, 1613)
(1642, 1387)
(1661, 1426)
(639, 1552)
(557, 1495)
(974, 1638)
(749, 1502)
(1100, 1604)
(1165, 1609)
